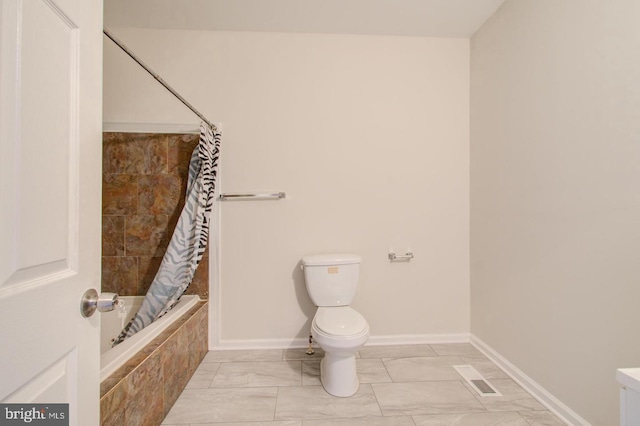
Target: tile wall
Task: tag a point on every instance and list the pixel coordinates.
(143, 190)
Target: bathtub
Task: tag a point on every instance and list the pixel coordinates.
(142, 377)
(112, 358)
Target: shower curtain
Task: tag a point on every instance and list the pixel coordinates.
(189, 239)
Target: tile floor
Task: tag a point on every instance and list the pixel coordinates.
(412, 385)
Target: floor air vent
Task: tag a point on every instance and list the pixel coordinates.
(476, 381)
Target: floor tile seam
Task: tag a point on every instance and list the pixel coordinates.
(253, 374)
(252, 387)
(434, 350)
(459, 411)
(336, 417)
(488, 406)
(468, 345)
(521, 416)
(215, 374)
(240, 361)
(452, 412)
(458, 361)
(393, 358)
(227, 388)
(474, 412)
(533, 424)
(375, 396)
(264, 362)
(246, 361)
(413, 416)
(462, 382)
(275, 406)
(387, 370)
(458, 375)
(303, 420)
(407, 382)
(210, 386)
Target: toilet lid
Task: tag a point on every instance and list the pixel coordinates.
(340, 321)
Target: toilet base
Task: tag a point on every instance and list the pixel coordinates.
(338, 375)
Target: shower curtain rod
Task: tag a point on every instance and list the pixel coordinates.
(156, 76)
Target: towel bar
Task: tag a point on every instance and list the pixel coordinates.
(252, 196)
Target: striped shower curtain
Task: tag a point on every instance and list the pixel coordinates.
(189, 239)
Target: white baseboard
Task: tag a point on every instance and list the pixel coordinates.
(300, 342)
(418, 339)
(231, 344)
(552, 403)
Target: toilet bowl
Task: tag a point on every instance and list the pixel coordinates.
(340, 332)
(337, 328)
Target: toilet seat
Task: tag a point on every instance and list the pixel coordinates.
(340, 321)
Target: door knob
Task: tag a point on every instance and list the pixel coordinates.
(91, 302)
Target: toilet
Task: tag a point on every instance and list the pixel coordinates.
(332, 281)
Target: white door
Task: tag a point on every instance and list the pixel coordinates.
(50, 197)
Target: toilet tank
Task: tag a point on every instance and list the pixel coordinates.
(331, 279)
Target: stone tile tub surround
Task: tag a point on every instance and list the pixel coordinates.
(143, 190)
(143, 390)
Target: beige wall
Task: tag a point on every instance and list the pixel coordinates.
(555, 194)
(369, 138)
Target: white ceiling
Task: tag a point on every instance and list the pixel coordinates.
(419, 18)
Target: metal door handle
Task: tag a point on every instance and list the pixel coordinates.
(91, 302)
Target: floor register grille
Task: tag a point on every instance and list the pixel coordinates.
(476, 381)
